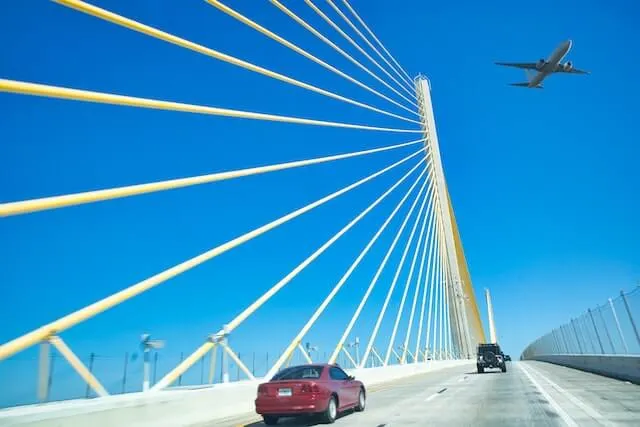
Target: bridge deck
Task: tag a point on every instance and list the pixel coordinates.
(572, 397)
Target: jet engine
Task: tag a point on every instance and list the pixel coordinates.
(568, 66)
(540, 64)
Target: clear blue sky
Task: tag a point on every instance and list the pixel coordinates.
(544, 183)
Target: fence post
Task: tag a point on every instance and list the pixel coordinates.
(606, 330)
(595, 328)
(180, 377)
(124, 373)
(91, 358)
(633, 323)
(575, 331)
(615, 317)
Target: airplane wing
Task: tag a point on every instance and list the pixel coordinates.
(522, 65)
(572, 71)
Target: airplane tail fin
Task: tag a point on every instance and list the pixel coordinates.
(526, 84)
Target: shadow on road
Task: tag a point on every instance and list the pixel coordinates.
(307, 420)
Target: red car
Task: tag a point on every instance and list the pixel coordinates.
(321, 389)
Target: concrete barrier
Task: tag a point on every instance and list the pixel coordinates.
(622, 367)
(179, 407)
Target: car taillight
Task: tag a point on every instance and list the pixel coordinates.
(262, 391)
(310, 388)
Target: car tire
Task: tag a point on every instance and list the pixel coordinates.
(504, 368)
(362, 401)
(270, 420)
(331, 413)
(480, 370)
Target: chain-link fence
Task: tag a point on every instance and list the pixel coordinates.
(124, 373)
(610, 328)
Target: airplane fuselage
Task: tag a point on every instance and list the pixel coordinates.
(551, 63)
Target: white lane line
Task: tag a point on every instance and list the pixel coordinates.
(565, 417)
(579, 403)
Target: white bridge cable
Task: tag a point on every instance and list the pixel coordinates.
(427, 236)
(35, 89)
(442, 307)
(447, 300)
(432, 287)
(375, 278)
(443, 271)
(336, 27)
(366, 27)
(104, 304)
(170, 38)
(54, 202)
(274, 369)
(392, 286)
(427, 285)
(408, 282)
(366, 40)
(250, 23)
(354, 61)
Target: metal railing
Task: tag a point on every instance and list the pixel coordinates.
(610, 328)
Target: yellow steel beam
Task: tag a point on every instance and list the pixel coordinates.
(78, 366)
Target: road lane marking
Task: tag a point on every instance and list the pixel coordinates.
(579, 403)
(565, 417)
(433, 396)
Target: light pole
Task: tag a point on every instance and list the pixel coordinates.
(147, 345)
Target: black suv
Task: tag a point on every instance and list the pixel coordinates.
(490, 356)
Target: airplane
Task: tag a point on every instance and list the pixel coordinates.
(544, 67)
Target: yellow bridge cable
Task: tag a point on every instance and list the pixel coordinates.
(319, 35)
(366, 27)
(253, 307)
(36, 89)
(154, 32)
(117, 298)
(233, 13)
(54, 202)
(363, 37)
(355, 44)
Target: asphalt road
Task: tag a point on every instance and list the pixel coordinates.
(528, 394)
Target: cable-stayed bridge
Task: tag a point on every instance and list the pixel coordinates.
(423, 320)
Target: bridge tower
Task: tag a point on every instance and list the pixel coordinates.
(463, 308)
(492, 325)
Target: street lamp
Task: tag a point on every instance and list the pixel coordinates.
(147, 345)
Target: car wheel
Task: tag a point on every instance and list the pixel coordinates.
(480, 370)
(362, 401)
(270, 420)
(331, 413)
(504, 368)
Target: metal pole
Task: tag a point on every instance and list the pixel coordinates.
(253, 364)
(180, 377)
(155, 366)
(91, 359)
(202, 371)
(615, 317)
(606, 330)
(595, 328)
(575, 331)
(145, 378)
(566, 338)
(124, 372)
(52, 359)
(633, 323)
(357, 345)
(225, 358)
(43, 371)
(238, 370)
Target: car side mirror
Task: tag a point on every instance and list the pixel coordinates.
(351, 378)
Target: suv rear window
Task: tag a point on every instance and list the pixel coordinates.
(485, 348)
(299, 373)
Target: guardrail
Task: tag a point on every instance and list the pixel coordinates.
(181, 407)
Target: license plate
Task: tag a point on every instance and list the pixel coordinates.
(284, 392)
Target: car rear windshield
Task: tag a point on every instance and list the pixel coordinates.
(486, 348)
(299, 373)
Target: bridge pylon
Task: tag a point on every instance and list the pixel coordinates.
(464, 315)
